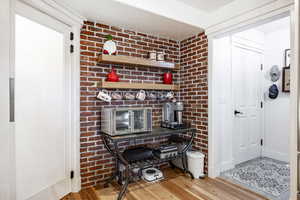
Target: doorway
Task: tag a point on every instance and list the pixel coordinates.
(253, 107)
(42, 106)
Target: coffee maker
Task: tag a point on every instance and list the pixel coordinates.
(172, 115)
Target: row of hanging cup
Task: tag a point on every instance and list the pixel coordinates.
(141, 95)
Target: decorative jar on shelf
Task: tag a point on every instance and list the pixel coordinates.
(112, 76)
(109, 46)
(168, 78)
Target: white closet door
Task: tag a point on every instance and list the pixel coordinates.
(41, 107)
(246, 65)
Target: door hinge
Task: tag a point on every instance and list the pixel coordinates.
(261, 142)
(72, 174)
(261, 104)
(71, 48)
(261, 67)
(71, 36)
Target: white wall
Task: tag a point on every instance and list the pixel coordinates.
(276, 111)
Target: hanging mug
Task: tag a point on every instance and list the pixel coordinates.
(162, 96)
(129, 96)
(104, 96)
(116, 96)
(170, 95)
(141, 95)
(152, 96)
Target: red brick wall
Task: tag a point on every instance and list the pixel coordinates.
(96, 163)
(194, 88)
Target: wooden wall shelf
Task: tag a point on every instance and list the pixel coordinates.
(138, 61)
(145, 86)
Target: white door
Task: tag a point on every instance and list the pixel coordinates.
(246, 68)
(41, 107)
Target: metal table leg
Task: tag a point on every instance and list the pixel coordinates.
(184, 156)
(124, 187)
(106, 145)
(127, 171)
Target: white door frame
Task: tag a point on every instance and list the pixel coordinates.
(250, 20)
(74, 21)
(294, 123)
(7, 183)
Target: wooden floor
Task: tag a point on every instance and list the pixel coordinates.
(175, 187)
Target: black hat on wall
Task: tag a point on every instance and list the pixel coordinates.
(273, 91)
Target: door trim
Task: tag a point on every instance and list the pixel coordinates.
(213, 147)
(74, 21)
(294, 122)
(213, 135)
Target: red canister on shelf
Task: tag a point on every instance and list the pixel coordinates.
(112, 76)
(168, 78)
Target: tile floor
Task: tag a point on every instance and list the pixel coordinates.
(265, 176)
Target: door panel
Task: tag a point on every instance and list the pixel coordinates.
(247, 96)
(41, 114)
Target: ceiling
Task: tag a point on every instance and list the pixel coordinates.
(174, 19)
(206, 5)
(121, 15)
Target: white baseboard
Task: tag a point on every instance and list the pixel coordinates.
(5, 191)
(213, 172)
(226, 166)
(276, 155)
(219, 168)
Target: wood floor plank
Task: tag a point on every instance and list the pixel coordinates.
(245, 190)
(142, 193)
(160, 192)
(191, 187)
(179, 191)
(234, 191)
(176, 186)
(218, 192)
(88, 194)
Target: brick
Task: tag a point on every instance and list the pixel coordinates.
(97, 163)
(102, 26)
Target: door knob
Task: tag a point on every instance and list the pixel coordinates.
(236, 112)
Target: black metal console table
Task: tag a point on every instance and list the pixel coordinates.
(115, 151)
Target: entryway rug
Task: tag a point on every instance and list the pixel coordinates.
(265, 176)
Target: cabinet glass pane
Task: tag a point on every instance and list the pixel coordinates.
(122, 121)
(139, 120)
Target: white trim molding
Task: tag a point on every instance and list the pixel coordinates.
(74, 23)
(270, 12)
(295, 85)
(254, 16)
(57, 11)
